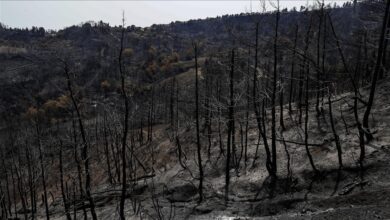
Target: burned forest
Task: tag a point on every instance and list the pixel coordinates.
(277, 114)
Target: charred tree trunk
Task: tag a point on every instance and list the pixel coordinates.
(221, 150)
(30, 179)
(300, 90)
(341, 53)
(307, 123)
(84, 153)
(14, 192)
(377, 70)
(307, 66)
(106, 150)
(318, 60)
(5, 171)
(78, 166)
(293, 69)
(230, 130)
(256, 108)
(64, 197)
(273, 98)
(304, 68)
(198, 144)
(248, 102)
(43, 176)
(4, 211)
(356, 114)
(336, 136)
(125, 126)
(281, 101)
(151, 116)
(384, 57)
(20, 187)
(171, 105)
(325, 77)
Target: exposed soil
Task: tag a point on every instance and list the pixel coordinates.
(334, 194)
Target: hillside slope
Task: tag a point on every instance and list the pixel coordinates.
(84, 121)
(335, 194)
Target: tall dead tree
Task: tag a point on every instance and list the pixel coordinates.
(198, 144)
(207, 112)
(230, 129)
(293, 69)
(335, 135)
(307, 121)
(106, 149)
(19, 181)
(78, 166)
(377, 70)
(219, 109)
(248, 103)
(273, 96)
(151, 115)
(64, 197)
(356, 113)
(171, 105)
(303, 69)
(318, 58)
(125, 124)
(384, 57)
(84, 154)
(31, 179)
(306, 69)
(339, 49)
(43, 175)
(259, 119)
(324, 38)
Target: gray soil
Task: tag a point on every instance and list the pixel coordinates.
(334, 194)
